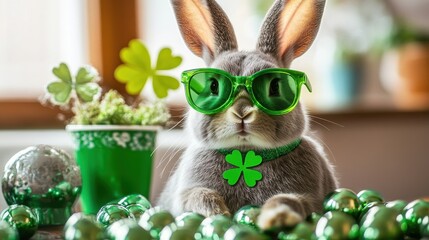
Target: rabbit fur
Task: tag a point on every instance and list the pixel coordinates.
(294, 184)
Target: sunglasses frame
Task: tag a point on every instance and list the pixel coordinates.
(300, 78)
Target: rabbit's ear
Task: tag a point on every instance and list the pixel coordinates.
(205, 27)
(289, 28)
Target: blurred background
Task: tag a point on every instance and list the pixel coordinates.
(369, 68)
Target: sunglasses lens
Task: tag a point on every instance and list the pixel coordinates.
(209, 91)
(275, 91)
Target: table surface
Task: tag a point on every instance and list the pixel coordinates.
(48, 233)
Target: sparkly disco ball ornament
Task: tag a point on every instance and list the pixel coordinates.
(45, 179)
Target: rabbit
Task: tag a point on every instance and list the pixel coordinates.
(294, 185)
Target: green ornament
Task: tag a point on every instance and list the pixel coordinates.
(313, 217)
(248, 215)
(367, 207)
(399, 205)
(173, 232)
(424, 227)
(154, 220)
(414, 213)
(22, 218)
(242, 232)
(127, 229)
(213, 227)
(7, 232)
(189, 220)
(381, 223)
(135, 199)
(344, 200)
(111, 213)
(83, 227)
(368, 196)
(336, 225)
(303, 230)
(136, 210)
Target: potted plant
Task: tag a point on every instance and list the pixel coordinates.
(115, 141)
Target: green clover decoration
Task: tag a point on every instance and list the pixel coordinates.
(84, 84)
(137, 69)
(251, 176)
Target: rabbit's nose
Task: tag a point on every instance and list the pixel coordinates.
(242, 114)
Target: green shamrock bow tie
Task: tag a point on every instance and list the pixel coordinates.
(252, 159)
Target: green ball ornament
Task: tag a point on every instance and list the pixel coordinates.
(303, 230)
(136, 210)
(7, 232)
(173, 232)
(22, 218)
(424, 228)
(344, 200)
(336, 225)
(213, 227)
(189, 220)
(127, 229)
(242, 232)
(399, 205)
(369, 196)
(248, 215)
(313, 218)
(111, 213)
(81, 226)
(135, 199)
(381, 223)
(154, 220)
(414, 213)
(367, 207)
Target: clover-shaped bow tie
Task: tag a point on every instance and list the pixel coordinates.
(251, 176)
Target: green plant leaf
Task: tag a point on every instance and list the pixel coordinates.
(86, 74)
(232, 175)
(62, 72)
(161, 85)
(134, 79)
(166, 60)
(136, 54)
(60, 92)
(87, 91)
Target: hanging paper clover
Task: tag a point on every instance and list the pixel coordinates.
(137, 69)
(251, 176)
(84, 84)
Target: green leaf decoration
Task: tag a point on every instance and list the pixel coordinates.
(251, 176)
(84, 84)
(137, 69)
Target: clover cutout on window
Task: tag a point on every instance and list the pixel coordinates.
(137, 69)
(84, 84)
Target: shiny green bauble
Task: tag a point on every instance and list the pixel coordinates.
(381, 223)
(424, 228)
(414, 213)
(247, 215)
(336, 225)
(242, 232)
(189, 220)
(136, 210)
(344, 200)
(83, 227)
(399, 205)
(154, 220)
(127, 229)
(173, 232)
(369, 196)
(313, 217)
(22, 218)
(7, 232)
(111, 213)
(213, 227)
(303, 230)
(135, 199)
(367, 207)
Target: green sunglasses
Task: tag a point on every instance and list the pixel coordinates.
(275, 91)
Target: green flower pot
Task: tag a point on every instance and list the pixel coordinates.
(114, 160)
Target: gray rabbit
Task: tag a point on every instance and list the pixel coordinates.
(293, 184)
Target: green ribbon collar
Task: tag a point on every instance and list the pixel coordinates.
(252, 159)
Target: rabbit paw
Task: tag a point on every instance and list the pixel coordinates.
(279, 216)
(204, 201)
